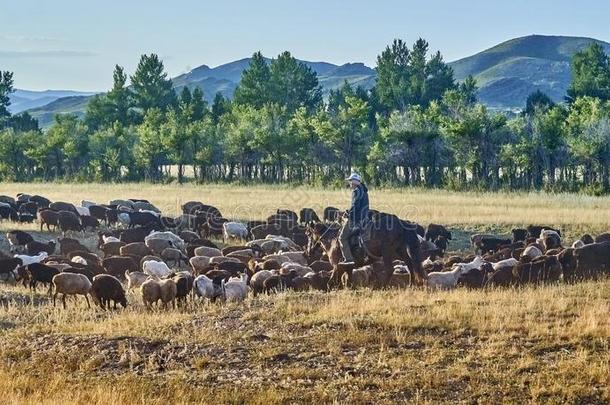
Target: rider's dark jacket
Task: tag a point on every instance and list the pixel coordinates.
(359, 212)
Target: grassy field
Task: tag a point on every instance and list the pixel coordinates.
(549, 344)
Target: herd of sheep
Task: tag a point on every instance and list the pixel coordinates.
(169, 259)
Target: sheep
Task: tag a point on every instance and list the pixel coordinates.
(18, 240)
(476, 239)
(401, 277)
(184, 285)
(79, 260)
(126, 203)
(175, 239)
(25, 259)
(145, 206)
(83, 211)
(117, 265)
(124, 219)
(135, 248)
(199, 264)
(221, 259)
(106, 288)
(110, 238)
(71, 284)
(157, 245)
(474, 264)
(445, 280)
(112, 248)
(505, 263)
(296, 257)
(435, 230)
(531, 252)
(87, 204)
(8, 267)
(257, 281)
(89, 222)
(188, 236)
(207, 251)
(358, 278)
(143, 218)
(578, 244)
(33, 248)
(234, 230)
(236, 289)
(550, 239)
(153, 290)
(35, 273)
(135, 279)
(157, 269)
(69, 221)
(299, 269)
(278, 258)
(204, 287)
(175, 255)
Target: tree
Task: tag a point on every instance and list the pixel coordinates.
(407, 78)
(115, 106)
(151, 87)
(590, 74)
(149, 152)
(537, 101)
(23, 122)
(220, 106)
(394, 76)
(6, 88)
(198, 104)
(66, 145)
(468, 90)
(254, 87)
(293, 84)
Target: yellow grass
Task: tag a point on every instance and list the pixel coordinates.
(531, 345)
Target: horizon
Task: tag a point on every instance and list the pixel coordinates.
(78, 53)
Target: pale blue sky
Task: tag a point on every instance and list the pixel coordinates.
(74, 44)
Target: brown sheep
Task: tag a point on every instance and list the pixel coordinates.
(112, 248)
(434, 230)
(136, 248)
(49, 218)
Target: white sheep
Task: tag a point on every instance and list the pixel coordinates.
(505, 263)
(83, 211)
(124, 218)
(296, 257)
(234, 230)
(207, 251)
(107, 239)
(71, 284)
(204, 287)
(155, 268)
(176, 240)
(446, 280)
(474, 264)
(25, 259)
(223, 259)
(79, 260)
(135, 279)
(532, 252)
(236, 289)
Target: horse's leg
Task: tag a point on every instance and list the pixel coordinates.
(387, 254)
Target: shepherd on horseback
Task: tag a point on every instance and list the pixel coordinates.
(357, 215)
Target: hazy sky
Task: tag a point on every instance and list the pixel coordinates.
(74, 44)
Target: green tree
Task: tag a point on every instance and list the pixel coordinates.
(6, 88)
(149, 150)
(394, 76)
(293, 84)
(220, 106)
(537, 101)
(150, 85)
(254, 87)
(590, 74)
(115, 106)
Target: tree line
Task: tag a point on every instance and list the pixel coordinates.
(416, 127)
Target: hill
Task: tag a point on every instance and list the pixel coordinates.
(22, 100)
(507, 73)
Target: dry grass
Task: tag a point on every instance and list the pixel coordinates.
(549, 344)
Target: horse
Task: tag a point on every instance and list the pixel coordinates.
(386, 237)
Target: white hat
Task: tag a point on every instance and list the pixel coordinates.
(354, 176)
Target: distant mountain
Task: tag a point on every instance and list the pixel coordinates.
(221, 79)
(22, 100)
(507, 73)
(64, 105)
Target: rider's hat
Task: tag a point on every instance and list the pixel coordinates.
(355, 177)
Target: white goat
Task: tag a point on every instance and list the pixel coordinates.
(236, 289)
(234, 230)
(25, 259)
(155, 268)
